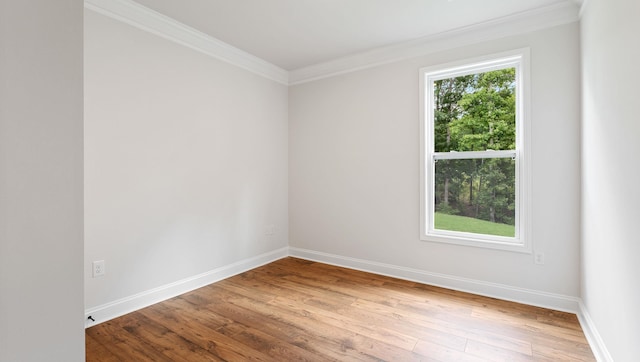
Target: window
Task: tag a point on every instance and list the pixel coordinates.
(474, 176)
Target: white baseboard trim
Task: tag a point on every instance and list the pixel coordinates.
(526, 296)
(144, 299)
(559, 302)
(598, 347)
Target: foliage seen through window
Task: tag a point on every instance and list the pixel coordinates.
(475, 112)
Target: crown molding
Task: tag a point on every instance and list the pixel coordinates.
(520, 23)
(149, 20)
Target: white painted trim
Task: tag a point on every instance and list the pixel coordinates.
(153, 22)
(144, 299)
(598, 347)
(521, 23)
(537, 298)
(559, 302)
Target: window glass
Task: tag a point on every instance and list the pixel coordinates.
(475, 196)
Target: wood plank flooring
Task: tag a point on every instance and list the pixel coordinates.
(297, 310)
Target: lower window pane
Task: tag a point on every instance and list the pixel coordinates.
(476, 196)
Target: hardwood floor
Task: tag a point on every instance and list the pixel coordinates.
(297, 310)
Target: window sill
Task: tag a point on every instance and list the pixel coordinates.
(497, 243)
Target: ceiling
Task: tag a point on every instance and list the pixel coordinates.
(294, 34)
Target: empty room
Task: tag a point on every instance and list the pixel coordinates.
(284, 180)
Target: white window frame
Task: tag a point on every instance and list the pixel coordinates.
(518, 59)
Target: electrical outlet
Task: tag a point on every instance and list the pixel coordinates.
(539, 258)
(98, 268)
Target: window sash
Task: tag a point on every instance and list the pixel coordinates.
(454, 155)
(477, 237)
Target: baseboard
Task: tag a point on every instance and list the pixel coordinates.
(132, 303)
(559, 302)
(526, 296)
(598, 347)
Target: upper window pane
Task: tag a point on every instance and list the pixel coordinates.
(475, 112)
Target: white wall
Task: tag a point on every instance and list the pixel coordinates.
(610, 194)
(185, 161)
(41, 301)
(354, 168)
